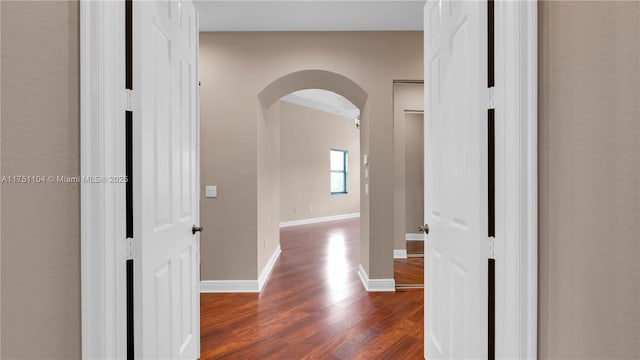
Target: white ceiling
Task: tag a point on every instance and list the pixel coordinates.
(324, 100)
(309, 15)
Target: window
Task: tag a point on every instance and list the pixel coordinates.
(338, 171)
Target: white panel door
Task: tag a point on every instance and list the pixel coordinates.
(456, 249)
(166, 253)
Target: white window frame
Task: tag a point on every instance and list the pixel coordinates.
(345, 153)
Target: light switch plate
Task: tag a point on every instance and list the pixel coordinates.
(366, 159)
(211, 191)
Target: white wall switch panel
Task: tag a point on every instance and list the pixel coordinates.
(366, 159)
(211, 191)
(366, 173)
(366, 189)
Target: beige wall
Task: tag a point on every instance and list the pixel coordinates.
(234, 68)
(589, 180)
(40, 222)
(307, 135)
(406, 96)
(414, 171)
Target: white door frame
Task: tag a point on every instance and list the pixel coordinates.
(516, 174)
(103, 238)
(102, 153)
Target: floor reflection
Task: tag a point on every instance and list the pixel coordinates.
(314, 306)
(409, 272)
(336, 267)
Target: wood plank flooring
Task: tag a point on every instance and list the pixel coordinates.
(314, 307)
(409, 271)
(415, 247)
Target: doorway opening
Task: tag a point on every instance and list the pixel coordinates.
(307, 120)
(319, 171)
(408, 128)
(319, 150)
(521, 268)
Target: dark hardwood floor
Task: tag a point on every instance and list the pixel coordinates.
(314, 307)
(409, 271)
(415, 247)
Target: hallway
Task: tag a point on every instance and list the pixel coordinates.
(314, 306)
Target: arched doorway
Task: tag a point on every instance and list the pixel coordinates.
(268, 149)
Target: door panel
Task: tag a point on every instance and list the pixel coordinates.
(455, 180)
(166, 253)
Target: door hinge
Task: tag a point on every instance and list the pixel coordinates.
(128, 99)
(129, 249)
(492, 98)
(492, 247)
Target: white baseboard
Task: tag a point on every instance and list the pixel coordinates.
(229, 286)
(241, 286)
(266, 272)
(399, 254)
(318, 220)
(375, 285)
(415, 237)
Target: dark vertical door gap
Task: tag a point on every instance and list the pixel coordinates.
(491, 191)
(129, 115)
(130, 343)
(129, 171)
(128, 24)
(491, 353)
(491, 163)
(128, 4)
(491, 42)
(491, 120)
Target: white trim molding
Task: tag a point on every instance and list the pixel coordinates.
(375, 285)
(242, 286)
(319, 220)
(516, 241)
(229, 286)
(102, 152)
(414, 237)
(268, 268)
(399, 253)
